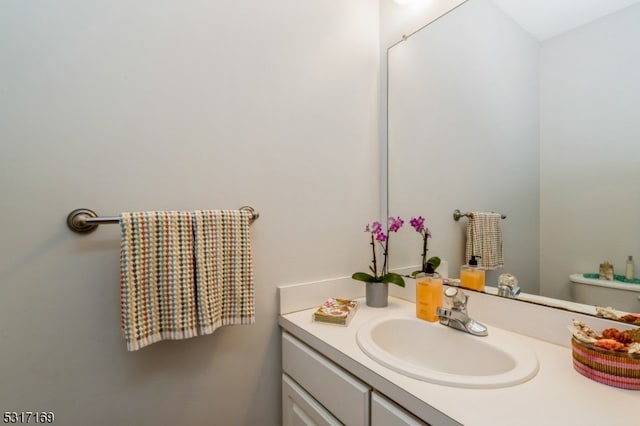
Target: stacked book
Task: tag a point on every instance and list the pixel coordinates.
(336, 311)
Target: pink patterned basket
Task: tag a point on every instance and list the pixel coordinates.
(618, 369)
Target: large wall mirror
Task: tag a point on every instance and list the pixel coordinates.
(528, 108)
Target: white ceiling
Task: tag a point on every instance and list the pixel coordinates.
(547, 18)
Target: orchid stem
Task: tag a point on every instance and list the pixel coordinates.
(425, 249)
(373, 249)
(385, 248)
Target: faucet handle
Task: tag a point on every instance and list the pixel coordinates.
(508, 286)
(457, 297)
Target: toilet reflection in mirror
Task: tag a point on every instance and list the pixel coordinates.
(592, 291)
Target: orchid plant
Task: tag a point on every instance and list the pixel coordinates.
(381, 275)
(430, 265)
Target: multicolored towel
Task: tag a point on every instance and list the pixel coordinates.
(484, 239)
(224, 271)
(157, 289)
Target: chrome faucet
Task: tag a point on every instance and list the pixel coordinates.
(457, 316)
(508, 286)
(506, 291)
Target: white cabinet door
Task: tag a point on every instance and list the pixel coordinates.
(387, 413)
(300, 409)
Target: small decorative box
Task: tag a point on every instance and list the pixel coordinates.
(618, 369)
(336, 311)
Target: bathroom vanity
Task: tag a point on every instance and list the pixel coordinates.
(328, 379)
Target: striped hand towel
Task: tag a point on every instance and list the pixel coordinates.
(484, 238)
(224, 268)
(157, 290)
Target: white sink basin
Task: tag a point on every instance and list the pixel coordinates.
(438, 354)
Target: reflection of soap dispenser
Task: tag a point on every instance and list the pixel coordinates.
(629, 270)
(471, 276)
(428, 296)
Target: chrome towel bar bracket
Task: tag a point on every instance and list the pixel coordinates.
(457, 214)
(85, 221)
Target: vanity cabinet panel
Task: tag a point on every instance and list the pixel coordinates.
(385, 412)
(300, 409)
(344, 396)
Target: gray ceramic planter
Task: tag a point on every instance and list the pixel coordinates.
(377, 294)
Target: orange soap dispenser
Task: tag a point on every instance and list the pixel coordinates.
(472, 276)
(428, 296)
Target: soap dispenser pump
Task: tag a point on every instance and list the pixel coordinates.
(471, 275)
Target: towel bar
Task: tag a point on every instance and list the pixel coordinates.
(457, 214)
(84, 221)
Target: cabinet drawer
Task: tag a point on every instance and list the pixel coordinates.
(299, 408)
(343, 395)
(387, 413)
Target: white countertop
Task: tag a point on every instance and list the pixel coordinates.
(556, 395)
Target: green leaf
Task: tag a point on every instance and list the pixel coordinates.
(393, 278)
(361, 276)
(434, 261)
(414, 273)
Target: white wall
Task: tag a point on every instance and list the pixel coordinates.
(463, 125)
(590, 155)
(397, 20)
(154, 105)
